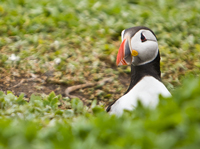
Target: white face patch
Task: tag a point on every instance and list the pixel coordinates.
(122, 35)
(147, 50)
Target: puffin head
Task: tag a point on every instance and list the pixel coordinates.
(139, 46)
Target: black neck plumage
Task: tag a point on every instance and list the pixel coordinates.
(149, 69)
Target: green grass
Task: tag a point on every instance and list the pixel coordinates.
(85, 35)
(41, 123)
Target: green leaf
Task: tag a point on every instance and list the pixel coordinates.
(20, 99)
(77, 105)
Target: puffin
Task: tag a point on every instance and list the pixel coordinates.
(139, 48)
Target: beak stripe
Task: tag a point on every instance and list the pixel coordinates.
(124, 62)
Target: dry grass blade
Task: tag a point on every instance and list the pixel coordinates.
(77, 87)
(26, 80)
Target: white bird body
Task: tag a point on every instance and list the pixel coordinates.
(147, 90)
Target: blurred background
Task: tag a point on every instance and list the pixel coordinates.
(50, 45)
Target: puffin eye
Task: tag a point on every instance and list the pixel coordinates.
(143, 39)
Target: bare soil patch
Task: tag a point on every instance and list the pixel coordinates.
(28, 85)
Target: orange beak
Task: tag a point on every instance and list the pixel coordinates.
(125, 56)
(121, 54)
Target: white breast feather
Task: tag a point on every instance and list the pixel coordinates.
(146, 90)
